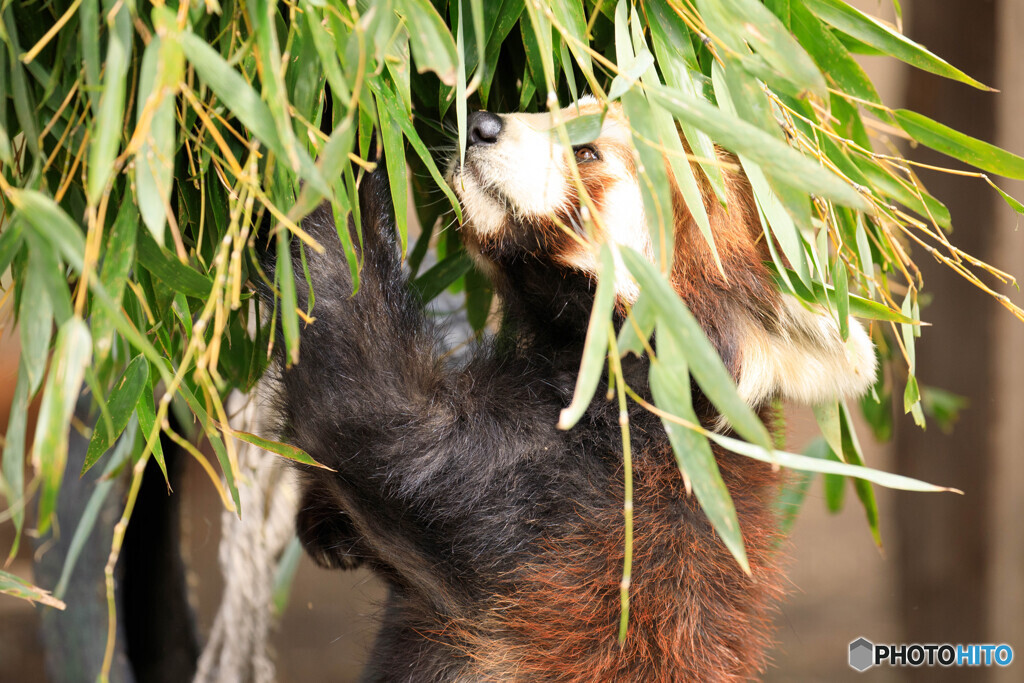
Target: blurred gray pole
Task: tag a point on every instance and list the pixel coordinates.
(945, 546)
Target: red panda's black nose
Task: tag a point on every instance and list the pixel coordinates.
(482, 128)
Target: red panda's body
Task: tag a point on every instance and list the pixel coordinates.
(502, 537)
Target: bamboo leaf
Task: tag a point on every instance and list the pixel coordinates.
(154, 162)
(278, 448)
(120, 405)
(18, 588)
(50, 221)
(431, 41)
(959, 146)
(865, 493)
(887, 41)
(71, 354)
(809, 464)
(168, 269)
(117, 262)
(284, 278)
(442, 275)
(35, 318)
(13, 479)
(233, 90)
(107, 126)
(774, 156)
(596, 346)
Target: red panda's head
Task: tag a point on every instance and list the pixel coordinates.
(520, 203)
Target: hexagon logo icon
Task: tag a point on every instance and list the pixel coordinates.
(862, 654)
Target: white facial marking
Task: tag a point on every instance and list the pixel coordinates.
(478, 207)
(525, 166)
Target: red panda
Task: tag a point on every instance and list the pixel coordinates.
(500, 536)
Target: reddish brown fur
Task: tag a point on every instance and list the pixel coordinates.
(694, 615)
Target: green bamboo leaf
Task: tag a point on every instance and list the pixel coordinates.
(831, 55)
(943, 406)
(213, 436)
(877, 35)
(394, 150)
(89, 21)
(505, 16)
(71, 354)
(834, 485)
(596, 346)
(654, 185)
(859, 306)
(678, 159)
(106, 137)
(168, 269)
(740, 94)
(120, 405)
(539, 46)
(842, 298)
(442, 275)
(677, 60)
(827, 415)
(10, 243)
(573, 23)
(35, 317)
(774, 156)
(154, 162)
(809, 464)
(50, 221)
(959, 146)
(24, 102)
(867, 263)
(285, 575)
(1013, 203)
(580, 129)
(278, 448)
(791, 499)
(671, 393)
(285, 280)
(479, 295)
(117, 261)
(430, 39)
(13, 465)
(18, 588)
(638, 326)
(145, 410)
(630, 73)
(743, 23)
(704, 362)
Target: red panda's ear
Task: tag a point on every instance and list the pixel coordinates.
(803, 359)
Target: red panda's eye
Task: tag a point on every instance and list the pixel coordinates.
(586, 153)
